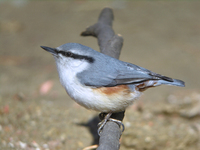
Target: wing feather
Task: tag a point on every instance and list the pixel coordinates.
(121, 73)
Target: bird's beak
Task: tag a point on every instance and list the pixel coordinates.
(49, 49)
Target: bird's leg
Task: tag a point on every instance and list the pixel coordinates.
(104, 121)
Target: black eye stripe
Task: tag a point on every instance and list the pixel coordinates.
(67, 54)
(87, 58)
(76, 56)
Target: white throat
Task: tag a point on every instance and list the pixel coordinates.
(69, 80)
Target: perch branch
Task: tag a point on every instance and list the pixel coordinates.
(110, 44)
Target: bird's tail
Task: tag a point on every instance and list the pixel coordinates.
(160, 79)
(174, 82)
(164, 80)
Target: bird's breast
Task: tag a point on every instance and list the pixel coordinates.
(103, 99)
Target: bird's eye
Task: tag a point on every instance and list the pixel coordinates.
(68, 54)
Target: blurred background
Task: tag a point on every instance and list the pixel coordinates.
(36, 112)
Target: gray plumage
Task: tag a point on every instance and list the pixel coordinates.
(108, 71)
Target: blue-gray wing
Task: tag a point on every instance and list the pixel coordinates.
(115, 72)
(134, 74)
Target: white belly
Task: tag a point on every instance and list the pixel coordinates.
(92, 98)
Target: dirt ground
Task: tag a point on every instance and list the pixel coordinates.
(37, 114)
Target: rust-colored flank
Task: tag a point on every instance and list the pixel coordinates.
(114, 90)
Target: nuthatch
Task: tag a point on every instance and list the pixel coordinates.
(100, 82)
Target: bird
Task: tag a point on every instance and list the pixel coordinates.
(102, 83)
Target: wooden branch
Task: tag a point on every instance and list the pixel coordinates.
(110, 44)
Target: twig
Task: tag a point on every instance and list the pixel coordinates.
(110, 44)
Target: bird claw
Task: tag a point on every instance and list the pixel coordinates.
(105, 120)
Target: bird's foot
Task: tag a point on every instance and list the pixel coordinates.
(105, 120)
